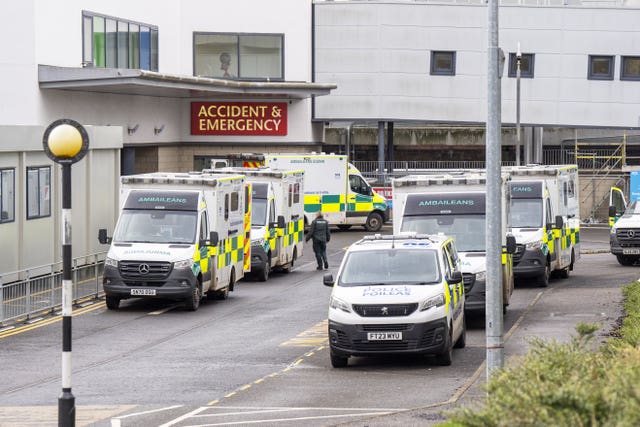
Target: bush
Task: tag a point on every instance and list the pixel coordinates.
(568, 384)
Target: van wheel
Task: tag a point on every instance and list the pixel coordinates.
(112, 302)
(344, 227)
(288, 267)
(626, 260)
(446, 358)
(339, 361)
(193, 302)
(263, 273)
(374, 222)
(461, 342)
(543, 279)
(223, 293)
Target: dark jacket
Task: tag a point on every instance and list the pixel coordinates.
(319, 230)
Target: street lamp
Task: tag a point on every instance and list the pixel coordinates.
(518, 60)
(65, 142)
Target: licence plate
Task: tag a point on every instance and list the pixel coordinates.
(631, 251)
(143, 291)
(384, 336)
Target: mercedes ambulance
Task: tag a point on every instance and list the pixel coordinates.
(178, 236)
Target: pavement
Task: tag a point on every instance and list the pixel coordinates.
(594, 239)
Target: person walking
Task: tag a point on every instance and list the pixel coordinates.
(319, 232)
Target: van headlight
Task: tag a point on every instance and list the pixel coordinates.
(110, 262)
(533, 245)
(481, 276)
(258, 242)
(185, 263)
(437, 301)
(338, 304)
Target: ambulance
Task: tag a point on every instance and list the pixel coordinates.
(454, 205)
(179, 236)
(335, 187)
(545, 220)
(624, 222)
(277, 217)
(397, 295)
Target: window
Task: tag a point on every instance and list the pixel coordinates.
(296, 193)
(239, 56)
(630, 68)
(38, 192)
(226, 207)
(7, 195)
(443, 63)
(290, 195)
(600, 67)
(235, 201)
(526, 65)
(116, 43)
(204, 227)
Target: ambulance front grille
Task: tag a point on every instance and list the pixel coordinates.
(385, 310)
(628, 237)
(145, 270)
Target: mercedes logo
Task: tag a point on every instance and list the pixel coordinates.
(631, 234)
(143, 269)
(384, 311)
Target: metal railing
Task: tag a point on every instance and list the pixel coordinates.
(36, 291)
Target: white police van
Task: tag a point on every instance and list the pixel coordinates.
(397, 294)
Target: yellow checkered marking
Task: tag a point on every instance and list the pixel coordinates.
(201, 258)
(570, 236)
(230, 251)
(324, 203)
(294, 233)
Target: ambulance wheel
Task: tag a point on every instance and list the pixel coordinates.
(461, 342)
(288, 267)
(344, 227)
(374, 222)
(263, 273)
(543, 279)
(193, 302)
(112, 302)
(223, 293)
(339, 361)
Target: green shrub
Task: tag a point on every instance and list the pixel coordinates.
(567, 384)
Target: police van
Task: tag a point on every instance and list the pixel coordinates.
(397, 294)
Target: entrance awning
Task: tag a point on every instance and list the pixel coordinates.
(150, 83)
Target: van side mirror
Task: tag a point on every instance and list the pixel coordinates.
(613, 211)
(213, 239)
(456, 277)
(102, 236)
(327, 280)
(559, 221)
(281, 223)
(511, 244)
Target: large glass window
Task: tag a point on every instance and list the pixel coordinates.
(116, 43)
(630, 68)
(601, 67)
(38, 192)
(7, 195)
(526, 65)
(239, 56)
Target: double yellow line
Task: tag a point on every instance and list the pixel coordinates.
(49, 321)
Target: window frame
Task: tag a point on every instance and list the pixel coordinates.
(88, 18)
(528, 74)
(12, 217)
(623, 76)
(443, 72)
(39, 215)
(600, 76)
(237, 54)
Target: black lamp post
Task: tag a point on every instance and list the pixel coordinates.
(65, 142)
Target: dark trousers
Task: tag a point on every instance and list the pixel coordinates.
(320, 249)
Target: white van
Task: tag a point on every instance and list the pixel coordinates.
(397, 294)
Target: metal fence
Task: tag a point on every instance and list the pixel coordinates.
(36, 291)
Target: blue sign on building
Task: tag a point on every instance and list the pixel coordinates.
(634, 186)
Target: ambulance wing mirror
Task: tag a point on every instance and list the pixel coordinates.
(102, 236)
(456, 277)
(511, 244)
(613, 211)
(327, 280)
(213, 239)
(279, 223)
(559, 221)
